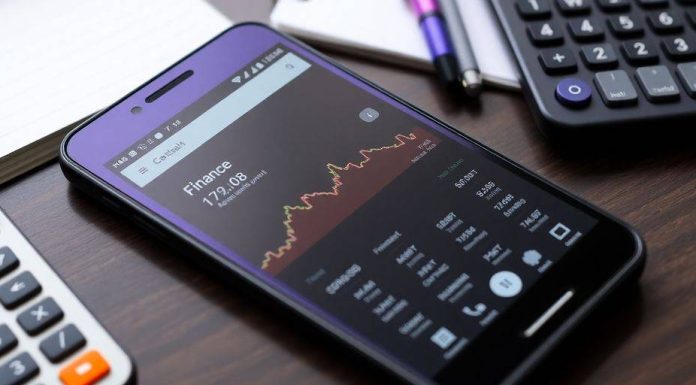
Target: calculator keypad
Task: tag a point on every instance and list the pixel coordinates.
(18, 370)
(614, 5)
(680, 48)
(19, 290)
(7, 339)
(653, 3)
(62, 343)
(625, 26)
(558, 60)
(687, 75)
(616, 88)
(691, 15)
(573, 93)
(605, 63)
(46, 335)
(599, 56)
(640, 52)
(40, 316)
(545, 33)
(665, 22)
(85, 370)
(574, 7)
(586, 29)
(534, 9)
(8, 261)
(657, 83)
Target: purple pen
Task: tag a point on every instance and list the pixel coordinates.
(435, 31)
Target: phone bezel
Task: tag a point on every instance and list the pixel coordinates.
(628, 257)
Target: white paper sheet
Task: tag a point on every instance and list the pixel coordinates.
(388, 30)
(61, 60)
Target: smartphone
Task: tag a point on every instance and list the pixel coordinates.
(425, 251)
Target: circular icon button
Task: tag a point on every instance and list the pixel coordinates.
(505, 284)
(573, 92)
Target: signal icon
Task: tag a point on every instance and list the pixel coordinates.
(236, 79)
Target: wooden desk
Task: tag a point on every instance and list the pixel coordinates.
(184, 328)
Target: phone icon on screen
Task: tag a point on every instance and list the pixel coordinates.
(478, 309)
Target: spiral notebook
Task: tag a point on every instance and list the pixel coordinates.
(387, 30)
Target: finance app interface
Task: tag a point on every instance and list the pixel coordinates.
(390, 228)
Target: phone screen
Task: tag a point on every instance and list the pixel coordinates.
(384, 223)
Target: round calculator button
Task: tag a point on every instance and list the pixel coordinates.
(573, 92)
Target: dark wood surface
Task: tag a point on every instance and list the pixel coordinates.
(182, 327)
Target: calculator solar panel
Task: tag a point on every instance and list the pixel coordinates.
(605, 66)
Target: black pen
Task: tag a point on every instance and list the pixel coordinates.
(469, 74)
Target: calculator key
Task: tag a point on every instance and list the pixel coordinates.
(8, 261)
(40, 316)
(680, 48)
(665, 22)
(653, 3)
(573, 7)
(691, 16)
(614, 5)
(7, 339)
(586, 29)
(639, 52)
(557, 60)
(657, 83)
(599, 56)
(18, 370)
(687, 74)
(616, 88)
(85, 370)
(573, 93)
(533, 9)
(62, 343)
(625, 26)
(545, 33)
(19, 290)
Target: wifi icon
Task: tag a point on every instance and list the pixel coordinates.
(236, 79)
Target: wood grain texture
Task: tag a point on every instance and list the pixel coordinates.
(183, 327)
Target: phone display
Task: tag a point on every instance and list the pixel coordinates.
(382, 222)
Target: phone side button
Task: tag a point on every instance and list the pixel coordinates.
(550, 312)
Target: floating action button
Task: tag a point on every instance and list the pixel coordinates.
(505, 284)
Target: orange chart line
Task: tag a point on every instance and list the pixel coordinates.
(306, 198)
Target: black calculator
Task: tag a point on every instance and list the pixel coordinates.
(605, 66)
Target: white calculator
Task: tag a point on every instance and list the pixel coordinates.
(47, 336)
